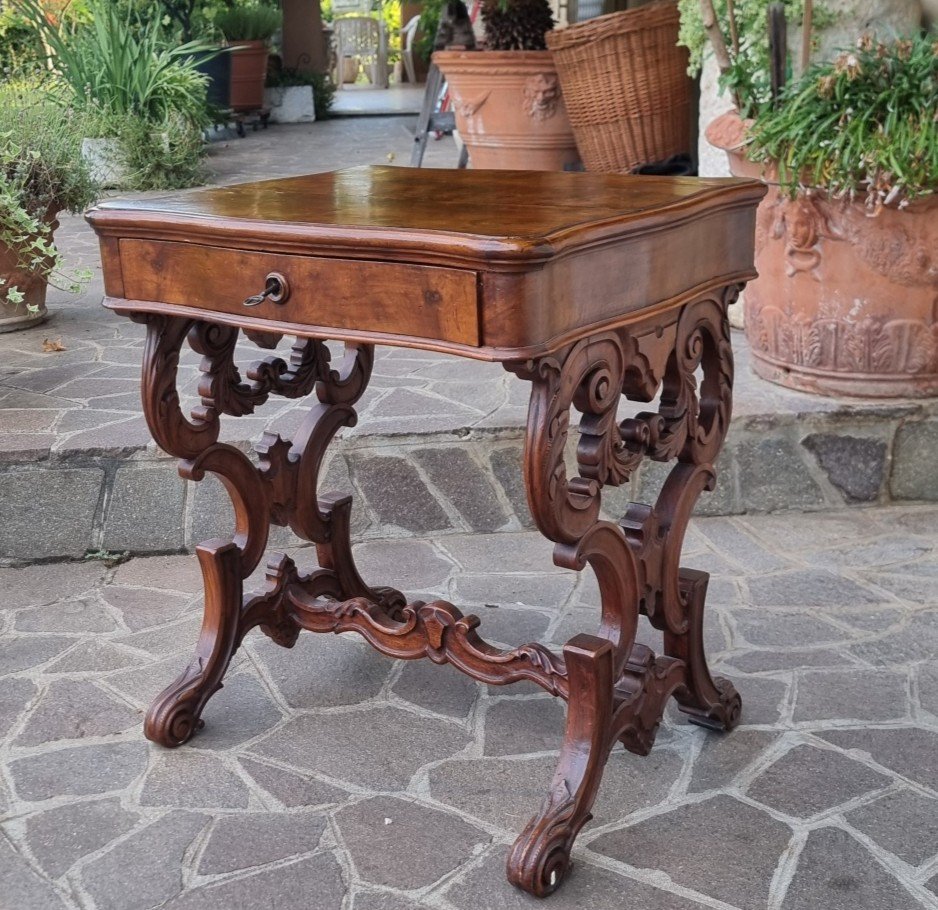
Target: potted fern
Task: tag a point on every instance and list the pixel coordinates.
(248, 28)
(41, 174)
(506, 97)
(846, 241)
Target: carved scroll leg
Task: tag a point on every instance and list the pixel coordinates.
(707, 701)
(540, 857)
(175, 715)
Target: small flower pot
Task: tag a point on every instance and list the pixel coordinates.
(248, 75)
(32, 310)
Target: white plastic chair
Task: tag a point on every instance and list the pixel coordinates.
(364, 39)
(408, 34)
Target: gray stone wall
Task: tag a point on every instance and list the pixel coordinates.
(443, 483)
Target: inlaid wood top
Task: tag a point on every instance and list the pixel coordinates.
(526, 214)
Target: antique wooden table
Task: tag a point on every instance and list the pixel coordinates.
(590, 287)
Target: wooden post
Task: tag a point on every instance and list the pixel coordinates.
(304, 48)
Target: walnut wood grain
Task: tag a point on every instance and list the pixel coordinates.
(588, 287)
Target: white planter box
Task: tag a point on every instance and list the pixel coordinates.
(103, 158)
(290, 104)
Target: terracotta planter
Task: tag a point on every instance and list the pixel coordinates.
(32, 310)
(845, 300)
(248, 75)
(509, 109)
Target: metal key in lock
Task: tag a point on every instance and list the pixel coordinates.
(276, 290)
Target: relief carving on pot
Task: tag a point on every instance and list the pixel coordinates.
(806, 220)
(869, 345)
(542, 96)
(467, 107)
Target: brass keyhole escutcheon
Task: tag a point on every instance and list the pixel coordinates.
(276, 290)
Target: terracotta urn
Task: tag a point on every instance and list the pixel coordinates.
(248, 75)
(846, 302)
(509, 109)
(32, 310)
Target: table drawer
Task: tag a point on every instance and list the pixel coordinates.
(383, 297)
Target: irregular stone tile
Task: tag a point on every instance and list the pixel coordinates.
(855, 465)
(374, 829)
(764, 629)
(22, 887)
(506, 466)
(481, 553)
(173, 638)
(723, 757)
(309, 884)
(920, 520)
(851, 695)
(506, 793)
(520, 726)
(290, 788)
(809, 531)
(808, 588)
(441, 689)
(15, 696)
(453, 472)
(914, 445)
(916, 640)
(837, 873)
(58, 838)
(773, 476)
(82, 615)
(762, 700)
(323, 670)
(169, 573)
(885, 552)
(915, 582)
(510, 627)
(26, 447)
(146, 869)
(132, 523)
(145, 609)
(383, 901)
(30, 652)
(381, 747)
(94, 657)
(728, 538)
(396, 494)
(408, 565)
(807, 780)
(74, 709)
(721, 847)
(142, 684)
(773, 661)
(509, 590)
(256, 839)
(240, 711)
(587, 887)
(78, 771)
(192, 780)
(65, 511)
(876, 620)
(908, 751)
(927, 686)
(42, 584)
(904, 823)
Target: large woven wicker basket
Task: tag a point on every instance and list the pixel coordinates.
(625, 85)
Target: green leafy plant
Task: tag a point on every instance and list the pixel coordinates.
(864, 124)
(323, 87)
(250, 22)
(41, 173)
(426, 31)
(516, 25)
(737, 32)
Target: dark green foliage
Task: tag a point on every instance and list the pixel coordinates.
(516, 25)
(866, 123)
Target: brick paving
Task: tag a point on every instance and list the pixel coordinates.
(72, 438)
(331, 778)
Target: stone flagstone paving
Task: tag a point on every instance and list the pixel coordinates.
(331, 778)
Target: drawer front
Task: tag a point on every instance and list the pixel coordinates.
(383, 297)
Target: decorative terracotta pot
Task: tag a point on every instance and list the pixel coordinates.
(32, 310)
(248, 75)
(845, 301)
(509, 109)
